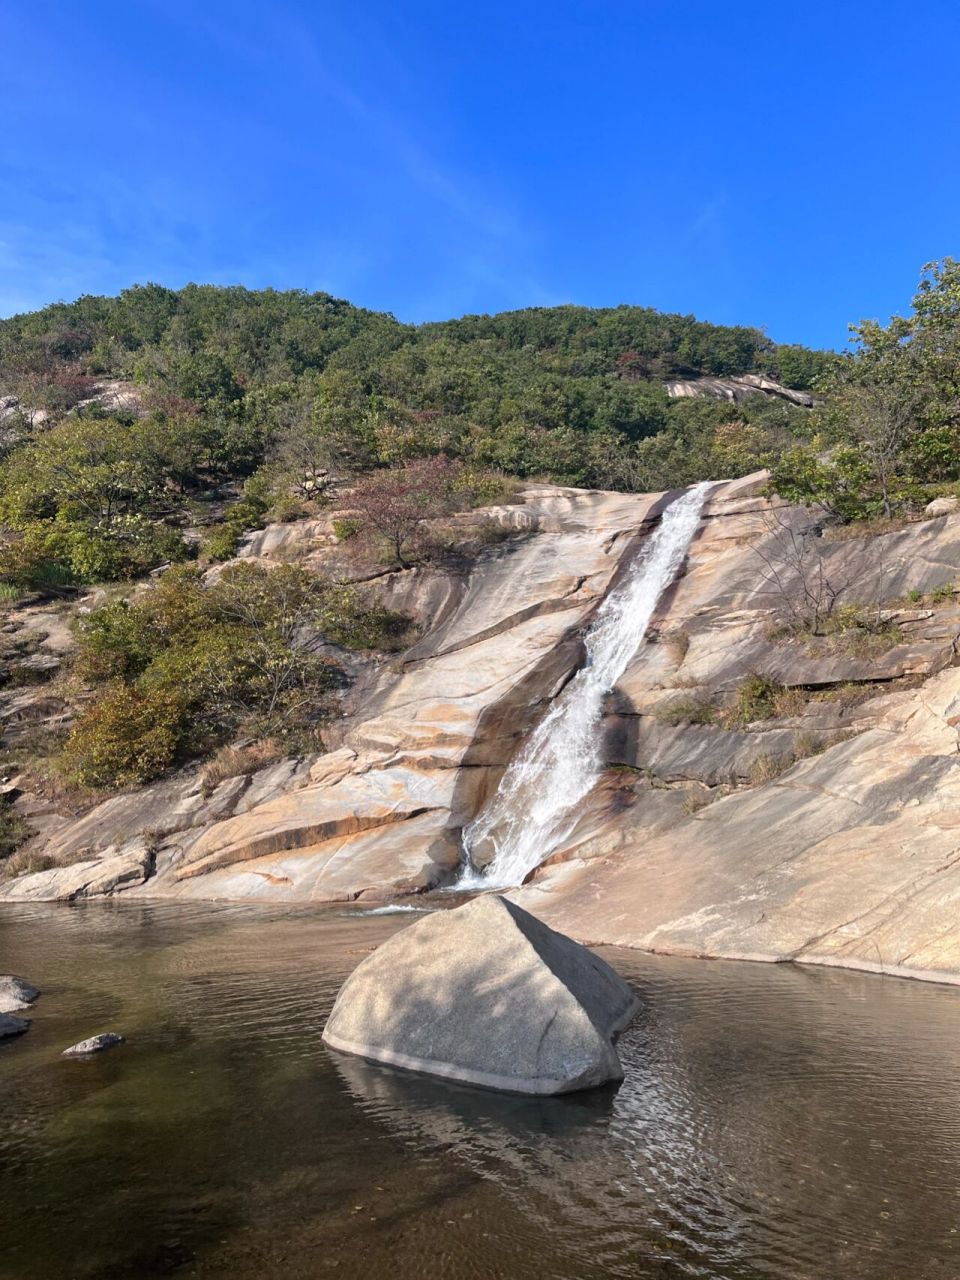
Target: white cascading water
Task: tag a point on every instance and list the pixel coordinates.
(535, 806)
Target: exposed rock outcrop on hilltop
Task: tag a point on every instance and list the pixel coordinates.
(734, 388)
(112, 394)
(702, 837)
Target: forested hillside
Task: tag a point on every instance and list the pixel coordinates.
(291, 388)
(160, 427)
(264, 401)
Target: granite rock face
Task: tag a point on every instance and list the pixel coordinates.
(824, 833)
(849, 858)
(425, 738)
(735, 388)
(487, 995)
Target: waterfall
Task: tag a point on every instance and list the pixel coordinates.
(535, 806)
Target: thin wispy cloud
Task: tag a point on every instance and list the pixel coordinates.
(710, 216)
(482, 233)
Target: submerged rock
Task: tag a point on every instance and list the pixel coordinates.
(95, 1044)
(15, 994)
(10, 1025)
(488, 995)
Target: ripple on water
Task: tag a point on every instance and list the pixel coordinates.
(774, 1122)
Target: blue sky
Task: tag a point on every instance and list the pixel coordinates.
(785, 165)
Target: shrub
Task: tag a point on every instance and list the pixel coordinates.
(394, 504)
(187, 666)
(352, 619)
(130, 734)
(117, 642)
(14, 829)
(287, 507)
(347, 527)
(479, 487)
(759, 697)
(692, 710)
(246, 514)
(221, 543)
(31, 558)
(50, 554)
(131, 548)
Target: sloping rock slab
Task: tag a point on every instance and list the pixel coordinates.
(488, 995)
(15, 994)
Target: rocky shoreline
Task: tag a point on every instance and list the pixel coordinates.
(823, 834)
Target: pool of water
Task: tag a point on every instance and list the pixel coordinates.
(798, 1124)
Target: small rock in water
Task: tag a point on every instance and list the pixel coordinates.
(10, 1025)
(96, 1044)
(15, 994)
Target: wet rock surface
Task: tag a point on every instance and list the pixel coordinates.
(11, 1025)
(15, 993)
(94, 1044)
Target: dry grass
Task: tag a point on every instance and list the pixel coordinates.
(238, 761)
(874, 528)
(853, 630)
(38, 773)
(26, 861)
(694, 801)
(14, 831)
(850, 694)
(756, 698)
(676, 642)
(692, 710)
(766, 768)
(807, 744)
(759, 697)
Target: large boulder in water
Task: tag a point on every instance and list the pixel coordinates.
(488, 995)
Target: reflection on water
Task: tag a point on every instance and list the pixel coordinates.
(774, 1122)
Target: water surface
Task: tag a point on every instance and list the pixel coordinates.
(797, 1124)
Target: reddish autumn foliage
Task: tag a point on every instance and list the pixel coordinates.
(394, 504)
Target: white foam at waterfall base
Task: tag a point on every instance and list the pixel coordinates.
(535, 806)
